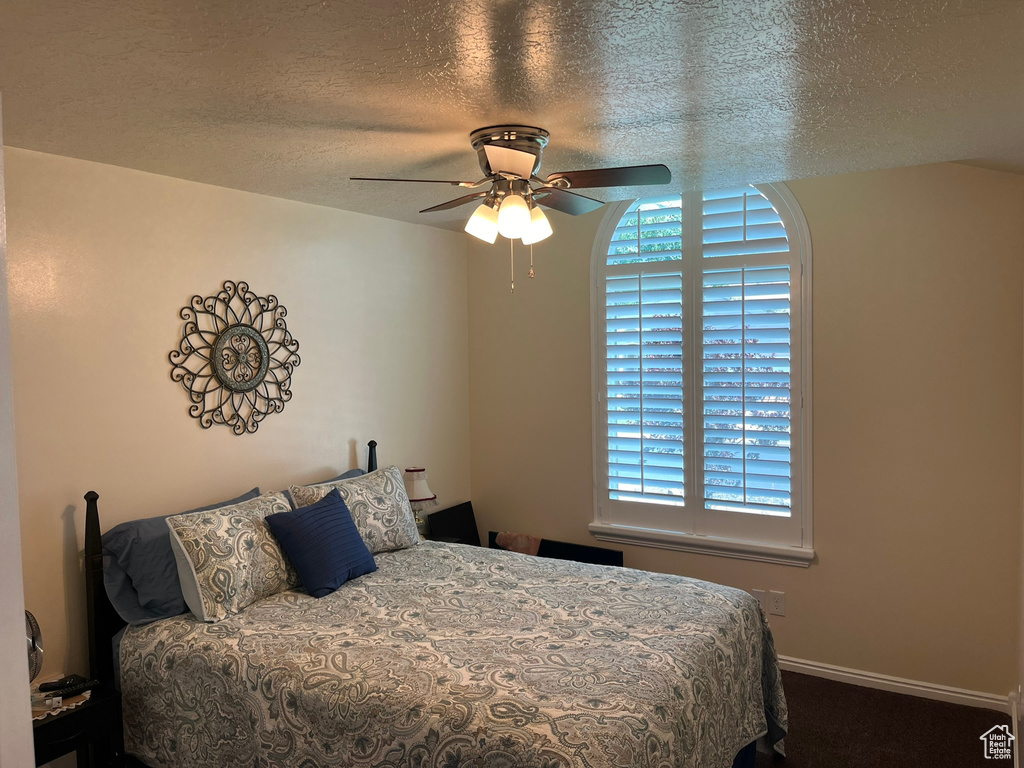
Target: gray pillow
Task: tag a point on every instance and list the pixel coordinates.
(346, 475)
(139, 570)
(343, 476)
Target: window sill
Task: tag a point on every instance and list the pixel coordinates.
(705, 545)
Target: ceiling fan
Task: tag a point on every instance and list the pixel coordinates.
(512, 194)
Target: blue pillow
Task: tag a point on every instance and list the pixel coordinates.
(346, 475)
(139, 570)
(343, 476)
(323, 544)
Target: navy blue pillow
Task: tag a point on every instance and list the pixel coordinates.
(323, 543)
(139, 570)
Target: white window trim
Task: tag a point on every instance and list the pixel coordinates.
(605, 530)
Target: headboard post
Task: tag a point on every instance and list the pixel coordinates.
(103, 620)
(371, 461)
(93, 577)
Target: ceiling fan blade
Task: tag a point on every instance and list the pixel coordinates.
(418, 181)
(632, 176)
(456, 202)
(503, 159)
(565, 201)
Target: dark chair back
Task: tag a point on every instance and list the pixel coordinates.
(563, 550)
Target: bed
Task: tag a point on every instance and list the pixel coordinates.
(452, 655)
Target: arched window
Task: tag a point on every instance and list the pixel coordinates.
(701, 335)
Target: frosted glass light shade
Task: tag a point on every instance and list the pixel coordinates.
(513, 217)
(483, 224)
(539, 229)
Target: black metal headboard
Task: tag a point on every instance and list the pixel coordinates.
(104, 621)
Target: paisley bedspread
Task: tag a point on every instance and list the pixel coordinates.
(452, 656)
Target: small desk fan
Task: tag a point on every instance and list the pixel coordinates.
(35, 646)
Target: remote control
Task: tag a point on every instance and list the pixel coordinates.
(74, 690)
(64, 682)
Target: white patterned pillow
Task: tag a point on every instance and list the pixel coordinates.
(378, 503)
(228, 559)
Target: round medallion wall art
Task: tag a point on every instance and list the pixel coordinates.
(235, 358)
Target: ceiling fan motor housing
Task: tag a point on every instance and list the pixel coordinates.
(500, 188)
(523, 138)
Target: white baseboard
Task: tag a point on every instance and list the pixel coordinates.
(897, 684)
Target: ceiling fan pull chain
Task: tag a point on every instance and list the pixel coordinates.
(512, 264)
(532, 274)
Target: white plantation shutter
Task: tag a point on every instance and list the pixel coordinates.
(644, 344)
(746, 390)
(741, 222)
(700, 378)
(651, 232)
(644, 318)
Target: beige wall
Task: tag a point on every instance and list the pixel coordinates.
(918, 276)
(917, 421)
(101, 261)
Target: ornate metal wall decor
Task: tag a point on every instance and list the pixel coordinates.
(235, 358)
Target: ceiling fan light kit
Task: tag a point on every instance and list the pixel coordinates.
(510, 157)
(513, 216)
(483, 224)
(539, 229)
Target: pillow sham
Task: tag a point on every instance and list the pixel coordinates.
(228, 559)
(379, 506)
(343, 476)
(322, 541)
(140, 573)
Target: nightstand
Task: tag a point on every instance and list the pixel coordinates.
(456, 525)
(92, 730)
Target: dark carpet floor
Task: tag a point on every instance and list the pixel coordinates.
(835, 725)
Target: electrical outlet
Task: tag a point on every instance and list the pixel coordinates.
(777, 603)
(761, 599)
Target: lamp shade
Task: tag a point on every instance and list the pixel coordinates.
(416, 486)
(539, 228)
(513, 217)
(483, 224)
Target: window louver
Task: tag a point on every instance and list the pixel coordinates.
(742, 313)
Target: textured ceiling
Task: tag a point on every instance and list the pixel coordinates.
(290, 98)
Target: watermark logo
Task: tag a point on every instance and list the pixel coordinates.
(998, 743)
